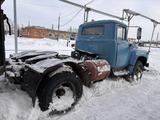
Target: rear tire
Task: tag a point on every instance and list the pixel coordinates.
(56, 89)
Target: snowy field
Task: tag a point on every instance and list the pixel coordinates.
(36, 44)
(106, 100)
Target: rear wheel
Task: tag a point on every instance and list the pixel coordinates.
(61, 93)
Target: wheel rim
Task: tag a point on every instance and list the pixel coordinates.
(63, 99)
(138, 74)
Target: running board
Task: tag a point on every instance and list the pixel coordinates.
(121, 72)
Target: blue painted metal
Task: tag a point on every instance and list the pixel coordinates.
(123, 49)
(117, 52)
(135, 54)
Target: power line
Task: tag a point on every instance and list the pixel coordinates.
(71, 18)
(69, 14)
(90, 2)
(77, 14)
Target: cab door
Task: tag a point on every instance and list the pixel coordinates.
(123, 48)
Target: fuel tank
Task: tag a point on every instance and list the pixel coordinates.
(97, 69)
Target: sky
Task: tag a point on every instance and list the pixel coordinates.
(45, 13)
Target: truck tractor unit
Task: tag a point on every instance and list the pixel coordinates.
(102, 50)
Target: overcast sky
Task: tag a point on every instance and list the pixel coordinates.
(46, 12)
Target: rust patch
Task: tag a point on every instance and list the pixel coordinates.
(97, 69)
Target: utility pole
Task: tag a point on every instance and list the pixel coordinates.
(52, 27)
(29, 23)
(15, 25)
(59, 21)
(157, 39)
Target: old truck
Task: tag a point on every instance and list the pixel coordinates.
(102, 50)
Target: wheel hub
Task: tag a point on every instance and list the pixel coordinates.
(60, 92)
(62, 99)
(138, 75)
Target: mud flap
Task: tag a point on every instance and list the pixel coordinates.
(31, 81)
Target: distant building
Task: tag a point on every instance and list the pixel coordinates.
(41, 32)
(55, 34)
(34, 32)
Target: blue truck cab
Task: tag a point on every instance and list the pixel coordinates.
(107, 39)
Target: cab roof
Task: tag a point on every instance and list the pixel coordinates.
(102, 22)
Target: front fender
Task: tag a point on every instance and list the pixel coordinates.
(136, 55)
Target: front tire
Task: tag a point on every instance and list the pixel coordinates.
(138, 71)
(62, 88)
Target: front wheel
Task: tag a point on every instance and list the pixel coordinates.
(61, 94)
(137, 72)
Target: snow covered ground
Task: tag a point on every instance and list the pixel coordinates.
(106, 100)
(37, 44)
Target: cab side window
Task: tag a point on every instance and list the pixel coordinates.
(121, 33)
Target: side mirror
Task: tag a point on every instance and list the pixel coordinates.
(139, 33)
